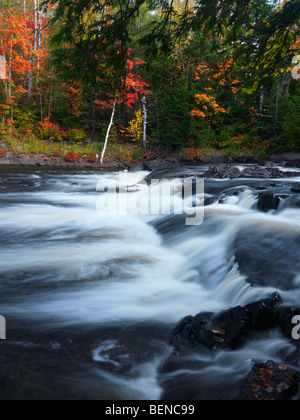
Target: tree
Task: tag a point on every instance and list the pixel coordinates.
(131, 87)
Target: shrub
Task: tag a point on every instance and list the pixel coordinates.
(72, 156)
(2, 153)
(76, 135)
(191, 154)
(125, 155)
(51, 131)
(92, 158)
(57, 153)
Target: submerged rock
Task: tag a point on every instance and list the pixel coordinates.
(269, 381)
(27, 183)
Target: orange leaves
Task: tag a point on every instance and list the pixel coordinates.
(209, 104)
(92, 158)
(72, 156)
(190, 154)
(2, 153)
(51, 131)
(74, 94)
(197, 113)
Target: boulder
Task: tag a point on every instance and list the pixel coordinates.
(269, 381)
(223, 172)
(27, 160)
(267, 202)
(241, 322)
(230, 327)
(155, 165)
(231, 172)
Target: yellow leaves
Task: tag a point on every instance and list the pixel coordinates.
(135, 129)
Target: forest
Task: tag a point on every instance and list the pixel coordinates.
(130, 77)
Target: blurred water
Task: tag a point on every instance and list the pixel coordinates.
(104, 292)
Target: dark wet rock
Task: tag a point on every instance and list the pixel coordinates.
(269, 381)
(27, 183)
(196, 330)
(158, 165)
(155, 165)
(209, 201)
(296, 189)
(223, 172)
(242, 321)
(268, 257)
(138, 168)
(267, 202)
(230, 327)
(245, 159)
(231, 172)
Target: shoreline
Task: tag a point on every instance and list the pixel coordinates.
(43, 162)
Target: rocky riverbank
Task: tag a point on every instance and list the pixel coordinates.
(158, 162)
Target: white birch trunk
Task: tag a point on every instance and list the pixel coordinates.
(108, 131)
(145, 122)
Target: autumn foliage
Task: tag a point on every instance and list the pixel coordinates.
(2, 153)
(72, 156)
(91, 158)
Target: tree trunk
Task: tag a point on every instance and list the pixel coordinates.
(262, 98)
(108, 131)
(32, 59)
(51, 95)
(145, 123)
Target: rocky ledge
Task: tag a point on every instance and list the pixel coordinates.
(231, 172)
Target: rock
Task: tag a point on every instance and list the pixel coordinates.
(222, 172)
(291, 157)
(269, 381)
(229, 327)
(5, 161)
(155, 165)
(267, 202)
(27, 183)
(296, 189)
(241, 322)
(209, 201)
(231, 172)
(195, 330)
(137, 168)
(245, 159)
(28, 161)
(158, 165)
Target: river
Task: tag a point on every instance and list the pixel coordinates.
(90, 300)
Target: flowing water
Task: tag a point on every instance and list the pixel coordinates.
(90, 300)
